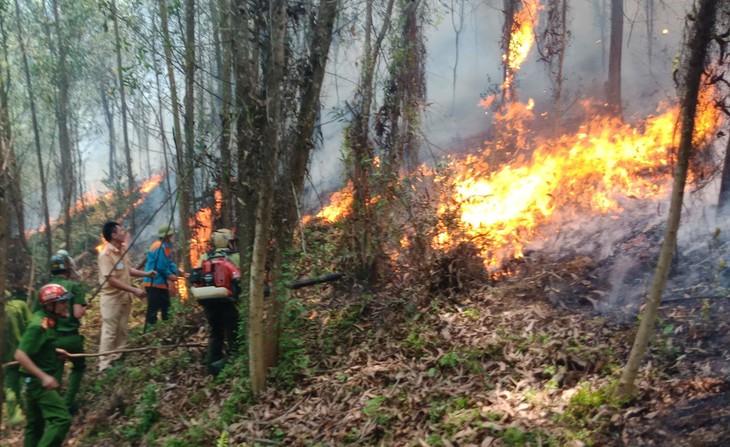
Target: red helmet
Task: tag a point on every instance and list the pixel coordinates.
(50, 293)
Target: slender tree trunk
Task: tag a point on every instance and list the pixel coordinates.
(181, 177)
(613, 86)
(190, 97)
(458, 25)
(364, 227)
(249, 114)
(291, 184)
(131, 184)
(64, 142)
(508, 90)
(4, 151)
(225, 43)
(161, 119)
(649, 6)
(698, 47)
(724, 197)
(274, 68)
(109, 118)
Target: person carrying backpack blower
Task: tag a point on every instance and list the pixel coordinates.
(216, 286)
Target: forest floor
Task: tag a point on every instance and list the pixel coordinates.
(527, 360)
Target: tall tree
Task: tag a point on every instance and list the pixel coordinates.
(511, 7)
(364, 230)
(273, 66)
(551, 44)
(457, 22)
(5, 142)
(188, 170)
(701, 36)
(613, 85)
(62, 114)
(181, 174)
(296, 159)
(131, 183)
(225, 43)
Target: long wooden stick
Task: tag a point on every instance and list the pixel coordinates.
(120, 351)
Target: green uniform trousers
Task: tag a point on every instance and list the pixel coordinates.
(47, 418)
(73, 343)
(12, 391)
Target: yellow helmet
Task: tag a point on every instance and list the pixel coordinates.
(227, 233)
(220, 240)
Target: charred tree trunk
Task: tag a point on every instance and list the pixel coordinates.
(613, 86)
(508, 91)
(694, 66)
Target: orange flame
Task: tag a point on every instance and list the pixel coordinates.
(201, 226)
(595, 169)
(522, 36)
(340, 205)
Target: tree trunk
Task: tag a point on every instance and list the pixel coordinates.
(291, 184)
(723, 199)
(249, 114)
(508, 90)
(131, 184)
(225, 43)
(181, 177)
(5, 143)
(64, 142)
(698, 44)
(189, 105)
(458, 26)
(36, 132)
(613, 86)
(273, 70)
(109, 118)
(364, 229)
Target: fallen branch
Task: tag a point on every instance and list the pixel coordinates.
(121, 351)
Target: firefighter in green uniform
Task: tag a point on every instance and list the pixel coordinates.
(17, 317)
(47, 417)
(67, 328)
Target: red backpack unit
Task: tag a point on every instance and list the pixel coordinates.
(216, 278)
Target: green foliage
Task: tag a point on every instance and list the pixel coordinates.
(415, 342)
(584, 403)
(145, 413)
(514, 436)
(376, 410)
(294, 361)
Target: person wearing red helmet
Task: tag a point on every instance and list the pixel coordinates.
(47, 416)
